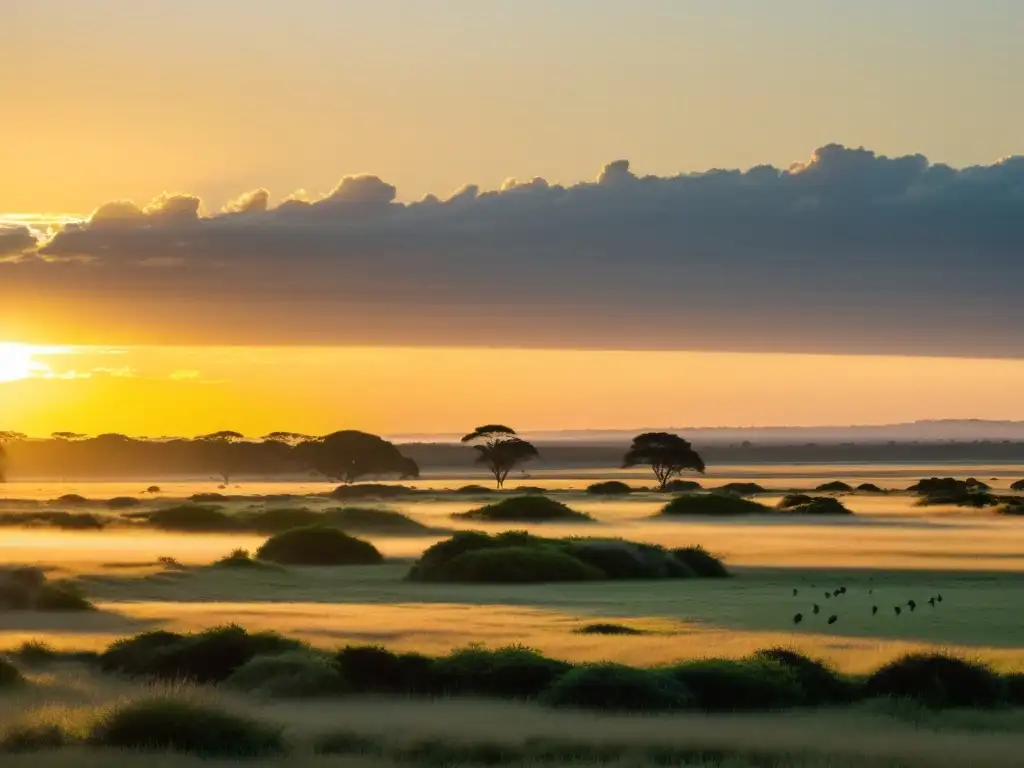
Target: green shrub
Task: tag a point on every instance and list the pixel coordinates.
(741, 489)
(518, 565)
(701, 562)
(76, 521)
(36, 652)
(620, 559)
(816, 505)
(725, 685)
(609, 488)
(372, 669)
(122, 502)
(614, 687)
(1015, 688)
(869, 488)
(525, 509)
(431, 563)
(190, 727)
(836, 486)
(820, 683)
(295, 674)
(791, 500)
(712, 505)
(241, 559)
(682, 486)
(72, 500)
(25, 738)
(473, 490)
(608, 629)
(280, 519)
(938, 681)
(318, 545)
(136, 655)
(192, 517)
(1017, 486)
(514, 672)
(958, 498)
(370, 491)
(10, 675)
(369, 520)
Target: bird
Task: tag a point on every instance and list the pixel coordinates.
(795, 591)
(871, 591)
(912, 605)
(931, 601)
(833, 619)
(939, 598)
(828, 595)
(817, 609)
(798, 618)
(874, 609)
(841, 591)
(897, 609)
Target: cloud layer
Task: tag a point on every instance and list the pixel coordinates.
(846, 252)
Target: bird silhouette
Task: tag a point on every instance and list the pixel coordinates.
(817, 608)
(874, 609)
(939, 598)
(833, 619)
(828, 595)
(931, 601)
(798, 618)
(871, 591)
(795, 591)
(897, 609)
(912, 605)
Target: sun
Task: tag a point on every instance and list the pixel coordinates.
(16, 362)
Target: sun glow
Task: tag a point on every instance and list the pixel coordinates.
(17, 363)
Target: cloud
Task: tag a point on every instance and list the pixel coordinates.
(15, 241)
(846, 251)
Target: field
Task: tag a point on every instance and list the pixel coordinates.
(888, 553)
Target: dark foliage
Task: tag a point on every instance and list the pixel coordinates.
(869, 488)
(820, 683)
(668, 455)
(712, 505)
(509, 673)
(372, 669)
(179, 725)
(318, 545)
(608, 629)
(609, 488)
(208, 498)
(1015, 689)
(814, 505)
(741, 489)
(279, 519)
(500, 450)
(525, 509)
(72, 521)
(369, 520)
(193, 517)
(242, 560)
(791, 500)
(682, 486)
(293, 674)
(1017, 486)
(518, 565)
(122, 502)
(614, 687)
(27, 589)
(725, 685)
(938, 681)
(10, 675)
(72, 500)
(701, 562)
(349, 455)
(836, 486)
(24, 739)
(620, 559)
(473, 490)
(370, 491)
(134, 656)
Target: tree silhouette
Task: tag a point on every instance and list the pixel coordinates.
(500, 450)
(68, 436)
(349, 455)
(287, 438)
(222, 452)
(667, 454)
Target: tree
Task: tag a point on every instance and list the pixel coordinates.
(69, 436)
(500, 450)
(667, 454)
(222, 451)
(349, 455)
(7, 436)
(287, 438)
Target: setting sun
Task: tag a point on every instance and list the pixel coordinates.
(16, 362)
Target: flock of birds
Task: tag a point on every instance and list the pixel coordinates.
(840, 591)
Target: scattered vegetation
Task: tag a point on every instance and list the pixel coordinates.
(318, 545)
(608, 629)
(836, 486)
(869, 488)
(519, 557)
(938, 681)
(373, 669)
(701, 562)
(167, 723)
(473, 490)
(1017, 486)
(28, 589)
(741, 489)
(525, 509)
(370, 491)
(277, 519)
(514, 672)
(72, 521)
(802, 504)
(10, 675)
(31, 737)
(609, 488)
(712, 505)
(192, 517)
(243, 560)
(820, 683)
(293, 674)
(122, 502)
(370, 520)
(756, 683)
(682, 486)
(614, 687)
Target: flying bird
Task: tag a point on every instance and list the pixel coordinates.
(795, 591)
(912, 605)
(798, 618)
(828, 595)
(931, 601)
(874, 609)
(817, 609)
(833, 619)
(939, 598)
(897, 609)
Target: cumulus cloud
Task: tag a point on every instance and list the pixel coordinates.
(15, 241)
(846, 251)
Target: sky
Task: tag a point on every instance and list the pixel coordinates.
(604, 209)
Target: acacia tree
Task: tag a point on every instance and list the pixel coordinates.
(222, 451)
(667, 454)
(500, 450)
(349, 455)
(7, 436)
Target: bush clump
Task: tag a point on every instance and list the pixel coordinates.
(525, 509)
(605, 628)
(242, 560)
(614, 687)
(473, 490)
(712, 505)
(28, 737)
(741, 489)
(609, 488)
(192, 517)
(682, 486)
(27, 589)
(318, 545)
(122, 502)
(960, 498)
(293, 674)
(370, 520)
(732, 685)
(836, 486)
(277, 519)
(620, 559)
(938, 681)
(373, 669)
(164, 723)
(70, 521)
(869, 488)
(370, 491)
(820, 683)
(701, 562)
(72, 500)
(514, 672)
(519, 565)
(800, 504)
(1017, 486)
(10, 675)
